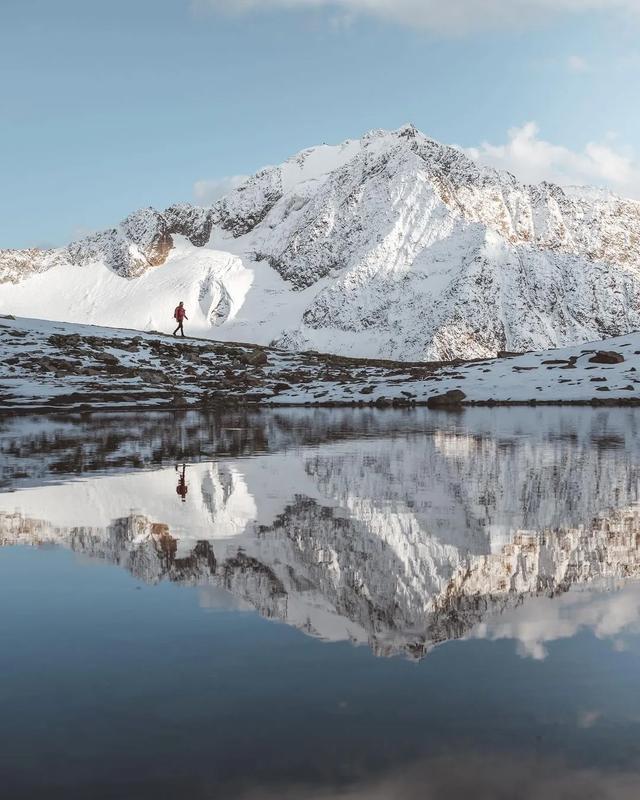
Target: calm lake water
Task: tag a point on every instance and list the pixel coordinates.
(321, 604)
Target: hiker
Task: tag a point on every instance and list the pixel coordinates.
(180, 315)
(181, 488)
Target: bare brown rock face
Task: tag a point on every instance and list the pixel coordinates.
(607, 357)
(160, 249)
(142, 241)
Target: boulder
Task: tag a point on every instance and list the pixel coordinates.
(607, 357)
(253, 358)
(452, 398)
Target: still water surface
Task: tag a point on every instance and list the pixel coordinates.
(321, 604)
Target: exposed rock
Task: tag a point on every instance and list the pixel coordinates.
(110, 366)
(191, 221)
(607, 357)
(143, 240)
(255, 358)
(454, 397)
(16, 265)
(247, 206)
(148, 231)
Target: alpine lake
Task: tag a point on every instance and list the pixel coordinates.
(321, 604)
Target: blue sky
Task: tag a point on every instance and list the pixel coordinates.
(108, 106)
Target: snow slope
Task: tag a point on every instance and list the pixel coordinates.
(390, 246)
(44, 364)
(55, 365)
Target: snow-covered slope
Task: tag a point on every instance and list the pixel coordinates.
(389, 246)
(51, 365)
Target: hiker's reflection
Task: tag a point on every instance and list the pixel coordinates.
(181, 488)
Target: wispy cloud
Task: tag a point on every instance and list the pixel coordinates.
(208, 191)
(577, 64)
(532, 159)
(611, 616)
(451, 17)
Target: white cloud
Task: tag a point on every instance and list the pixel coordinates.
(610, 616)
(450, 17)
(465, 773)
(208, 191)
(532, 160)
(577, 64)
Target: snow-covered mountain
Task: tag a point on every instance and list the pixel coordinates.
(392, 245)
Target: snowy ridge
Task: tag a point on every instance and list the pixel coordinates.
(390, 246)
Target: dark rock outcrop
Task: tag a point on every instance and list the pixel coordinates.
(452, 398)
(607, 357)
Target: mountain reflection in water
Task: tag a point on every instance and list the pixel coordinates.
(399, 530)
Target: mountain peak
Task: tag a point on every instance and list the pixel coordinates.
(390, 245)
(408, 131)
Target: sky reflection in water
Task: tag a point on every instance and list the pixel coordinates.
(495, 553)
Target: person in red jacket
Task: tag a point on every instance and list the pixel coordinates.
(182, 488)
(180, 315)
